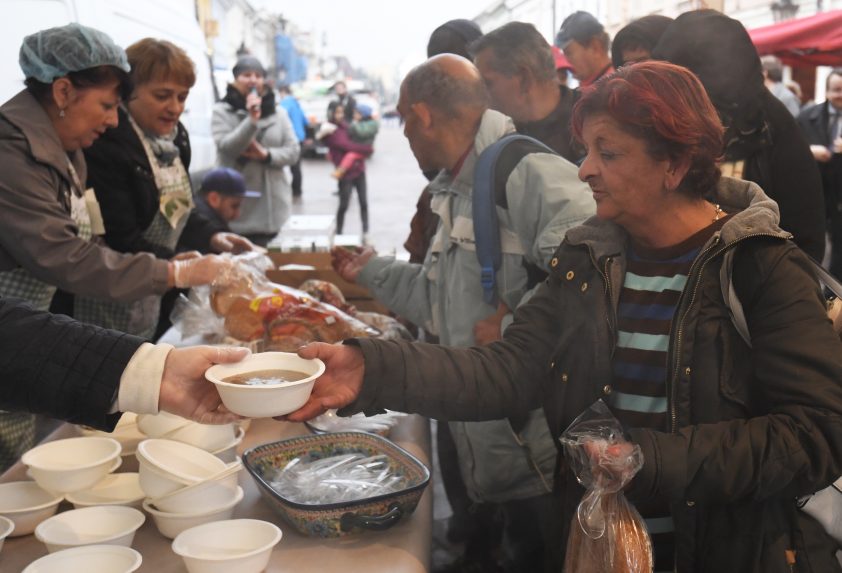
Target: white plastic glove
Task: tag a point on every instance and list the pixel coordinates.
(224, 242)
(200, 271)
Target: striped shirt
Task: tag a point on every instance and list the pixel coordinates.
(654, 281)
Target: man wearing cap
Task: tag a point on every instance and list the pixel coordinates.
(586, 45)
(218, 203)
(254, 136)
(516, 64)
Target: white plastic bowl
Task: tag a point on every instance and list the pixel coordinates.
(92, 558)
(241, 545)
(126, 432)
(73, 464)
(203, 496)
(6, 528)
(269, 400)
(160, 424)
(100, 524)
(27, 505)
(113, 489)
(171, 524)
(166, 466)
(228, 453)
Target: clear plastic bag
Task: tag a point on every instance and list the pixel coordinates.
(607, 534)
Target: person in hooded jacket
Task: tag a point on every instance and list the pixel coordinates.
(763, 143)
(254, 136)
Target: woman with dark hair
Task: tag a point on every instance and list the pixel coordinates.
(633, 313)
(139, 172)
(635, 42)
(75, 79)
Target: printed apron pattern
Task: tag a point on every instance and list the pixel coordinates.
(140, 317)
(17, 429)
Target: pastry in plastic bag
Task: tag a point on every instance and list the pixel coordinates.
(607, 534)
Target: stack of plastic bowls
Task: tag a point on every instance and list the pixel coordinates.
(185, 485)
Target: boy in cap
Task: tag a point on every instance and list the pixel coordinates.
(585, 44)
(218, 202)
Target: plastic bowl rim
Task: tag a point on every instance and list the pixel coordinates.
(276, 538)
(90, 465)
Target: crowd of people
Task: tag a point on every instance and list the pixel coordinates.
(620, 216)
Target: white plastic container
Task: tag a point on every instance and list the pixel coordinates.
(203, 496)
(266, 401)
(241, 545)
(6, 528)
(97, 525)
(166, 466)
(171, 524)
(73, 464)
(113, 489)
(90, 558)
(27, 505)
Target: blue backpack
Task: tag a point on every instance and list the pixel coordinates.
(491, 173)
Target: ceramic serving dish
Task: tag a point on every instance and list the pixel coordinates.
(339, 519)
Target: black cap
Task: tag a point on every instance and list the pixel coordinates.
(226, 181)
(248, 64)
(580, 26)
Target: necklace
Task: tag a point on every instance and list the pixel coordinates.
(717, 213)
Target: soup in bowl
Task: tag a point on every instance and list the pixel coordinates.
(266, 384)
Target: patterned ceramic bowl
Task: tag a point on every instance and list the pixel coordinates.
(338, 519)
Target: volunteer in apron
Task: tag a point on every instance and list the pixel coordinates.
(75, 79)
(139, 172)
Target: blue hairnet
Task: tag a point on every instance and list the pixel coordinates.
(55, 52)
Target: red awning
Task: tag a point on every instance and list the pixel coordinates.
(816, 40)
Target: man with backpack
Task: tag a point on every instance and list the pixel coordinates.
(535, 196)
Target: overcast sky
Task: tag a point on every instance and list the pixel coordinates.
(374, 33)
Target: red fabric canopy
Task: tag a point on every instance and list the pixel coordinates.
(816, 40)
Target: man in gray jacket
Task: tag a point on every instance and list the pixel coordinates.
(444, 104)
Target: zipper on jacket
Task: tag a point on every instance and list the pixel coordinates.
(680, 329)
(609, 313)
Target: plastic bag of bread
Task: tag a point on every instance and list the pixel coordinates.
(284, 318)
(607, 534)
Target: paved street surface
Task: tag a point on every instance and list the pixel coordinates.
(394, 183)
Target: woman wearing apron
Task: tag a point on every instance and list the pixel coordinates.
(139, 174)
(75, 78)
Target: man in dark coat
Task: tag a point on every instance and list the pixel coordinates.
(821, 124)
(762, 141)
(517, 66)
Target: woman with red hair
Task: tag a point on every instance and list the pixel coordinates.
(635, 313)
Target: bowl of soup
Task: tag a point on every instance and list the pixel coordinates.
(266, 384)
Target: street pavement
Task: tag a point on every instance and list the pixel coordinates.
(394, 183)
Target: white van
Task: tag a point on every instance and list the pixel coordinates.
(126, 21)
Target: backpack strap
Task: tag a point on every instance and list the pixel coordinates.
(735, 307)
(491, 173)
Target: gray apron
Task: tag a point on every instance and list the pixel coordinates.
(17, 429)
(140, 317)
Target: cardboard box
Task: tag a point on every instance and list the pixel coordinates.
(355, 294)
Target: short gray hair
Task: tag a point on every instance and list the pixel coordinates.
(516, 46)
(447, 94)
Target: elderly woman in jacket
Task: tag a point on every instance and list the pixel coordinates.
(139, 172)
(255, 137)
(633, 312)
(75, 79)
